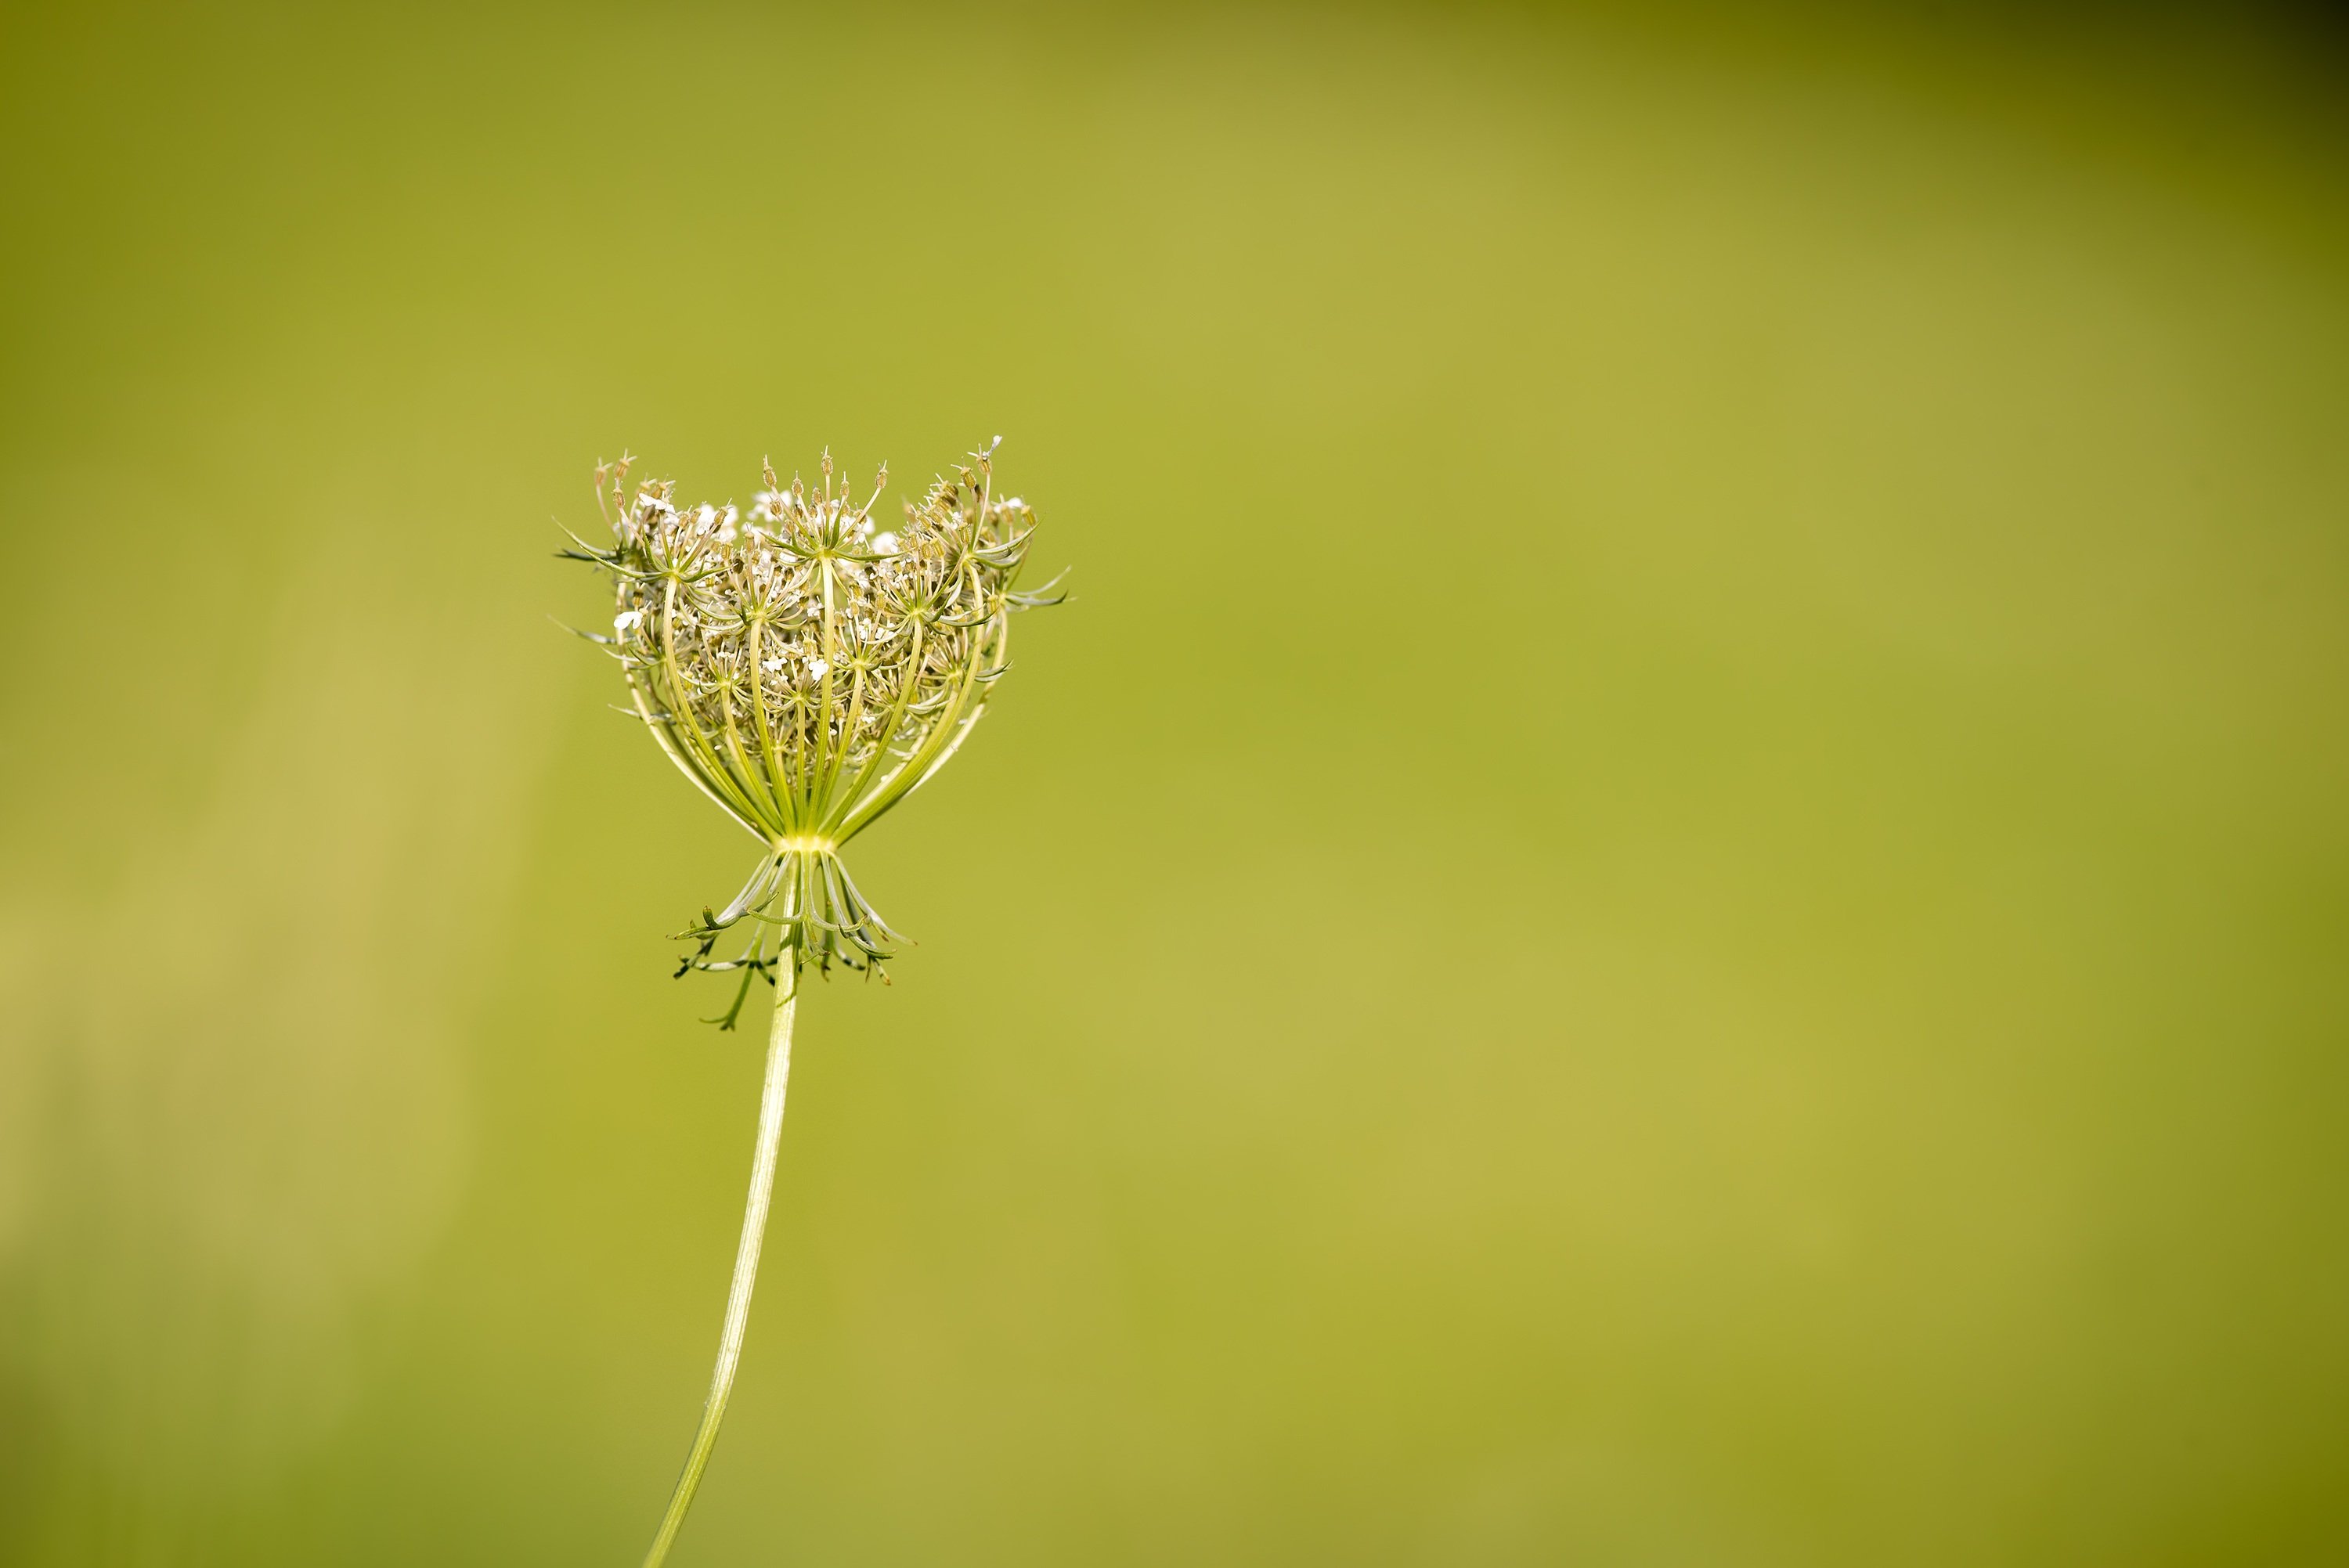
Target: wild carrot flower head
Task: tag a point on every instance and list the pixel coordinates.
(808, 668)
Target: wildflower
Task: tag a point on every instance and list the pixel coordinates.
(807, 672)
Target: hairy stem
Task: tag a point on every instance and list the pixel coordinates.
(746, 1263)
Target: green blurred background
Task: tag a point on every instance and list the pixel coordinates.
(1678, 896)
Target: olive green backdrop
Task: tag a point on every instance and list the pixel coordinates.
(1677, 895)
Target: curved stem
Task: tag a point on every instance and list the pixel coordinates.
(746, 1265)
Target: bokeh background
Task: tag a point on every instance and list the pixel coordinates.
(1678, 895)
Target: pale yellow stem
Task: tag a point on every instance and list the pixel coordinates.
(746, 1263)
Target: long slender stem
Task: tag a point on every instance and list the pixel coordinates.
(746, 1262)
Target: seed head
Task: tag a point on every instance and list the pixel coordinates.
(808, 670)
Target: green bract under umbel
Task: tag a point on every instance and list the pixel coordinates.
(808, 670)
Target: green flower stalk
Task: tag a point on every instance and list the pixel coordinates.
(808, 670)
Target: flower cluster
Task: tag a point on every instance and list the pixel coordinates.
(808, 670)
